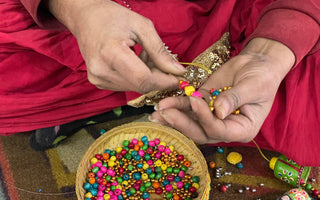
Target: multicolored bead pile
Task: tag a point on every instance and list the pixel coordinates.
(139, 169)
(189, 90)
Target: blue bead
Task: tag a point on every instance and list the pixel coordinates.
(144, 139)
(120, 197)
(94, 192)
(125, 177)
(148, 171)
(165, 182)
(139, 165)
(87, 186)
(177, 179)
(137, 157)
(145, 195)
(220, 150)
(134, 153)
(128, 193)
(239, 165)
(102, 131)
(215, 93)
(87, 198)
(136, 176)
(108, 151)
(95, 185)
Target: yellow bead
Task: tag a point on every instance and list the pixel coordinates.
(163, 144)
(88, 195)
(93, 160)
(145, 166)
(158, 163)
(189, 90)
(130, 150)
(211, 103)
(118, 149)
(234, 158)
(171, 148)
(236, 112)
(119, 187)
(212, 108)
(225, 88)
(106, 197)
(196, 185)
(113, 158)
(164, 167)
(144, 176)
(125, 183)
(111, 163)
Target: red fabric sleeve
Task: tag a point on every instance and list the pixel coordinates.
(295, 23)
(41, 15)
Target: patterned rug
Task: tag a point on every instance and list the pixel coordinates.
(29, 175)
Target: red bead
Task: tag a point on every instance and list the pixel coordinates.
(212, 90)
(93, 198)
(192, 189)
(99, 180)
(183, 84)
(223, 188)
(136, 186)
(170, 178)
(158, 190)
(123, 152)
(180, 157)
(149, 151)
(121, 170)
(138, 182)
(301, 181)
(98, 156)
(108, 185)
(315, 192)
(118, 156)
(131, 145)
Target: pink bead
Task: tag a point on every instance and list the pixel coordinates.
(167, 151)
(110, 172)
(113, 197)
(161, 148)
(93, 166)
(100, 198)
(149, 162)
(101, 188)
(99, 173)
(99, 164)
(146, 199)
(168, 188)
(134, 141)
(157, 155)
(157, 141)
(179, 184)
(117, 192)
(181, 174)
(141, 153)
(196, 94)
(110, 193)
(103, 169)
(115, 183)
(170, 178)
(183, 84)
(136, 186)
(100, 193)
(152, 143)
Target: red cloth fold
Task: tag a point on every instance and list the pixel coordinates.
(43, 76)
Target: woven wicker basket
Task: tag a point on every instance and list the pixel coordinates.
(114, 138)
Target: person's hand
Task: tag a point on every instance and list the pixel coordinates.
(105, 32)
(255, 75)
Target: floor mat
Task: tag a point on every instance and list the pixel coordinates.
(29, 175)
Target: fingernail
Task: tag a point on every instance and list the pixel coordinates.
(221, 111)
(165, 117)
(156, 107)
(180, 67)
(152, 120)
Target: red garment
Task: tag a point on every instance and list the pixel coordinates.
(43, 77)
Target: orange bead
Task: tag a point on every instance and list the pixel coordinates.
(140, 143)
(104, 181)
(91, 175)
(92, 180)
(106, 156)
(156, 185)
(212, 164)
(187, 163)
(136, 148)
(176, 197)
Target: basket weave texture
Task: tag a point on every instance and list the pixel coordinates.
(115, 137)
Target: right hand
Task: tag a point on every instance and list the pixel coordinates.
(105, 32)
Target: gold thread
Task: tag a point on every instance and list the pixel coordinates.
(198, 65)
(260, 151)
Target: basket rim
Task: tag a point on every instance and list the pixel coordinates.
(134, 125)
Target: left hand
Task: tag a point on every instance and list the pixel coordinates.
(255, 75)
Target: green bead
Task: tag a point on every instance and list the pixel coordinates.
(169, 170)
(142, 188)
(95, 169)
(157, 170)
(147, 184)
(152, 175)
(184, 168)
(113, 187)
(158, 176)
(187, 186)
(113, 153)
(119, 180)
(125, 143)
(126, 148)
(130, 167)
(132, 190)
(128, 156)
(144, 147)
(108, 178)
(147, 157)
(195, 179)
(169, 195)
(105, 164)
(121, 162)
(188, 198)
(176, 170)
(308, 186)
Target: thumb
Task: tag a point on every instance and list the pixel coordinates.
(149, 39)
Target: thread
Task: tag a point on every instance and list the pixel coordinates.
(198, 65)
(260, 151)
